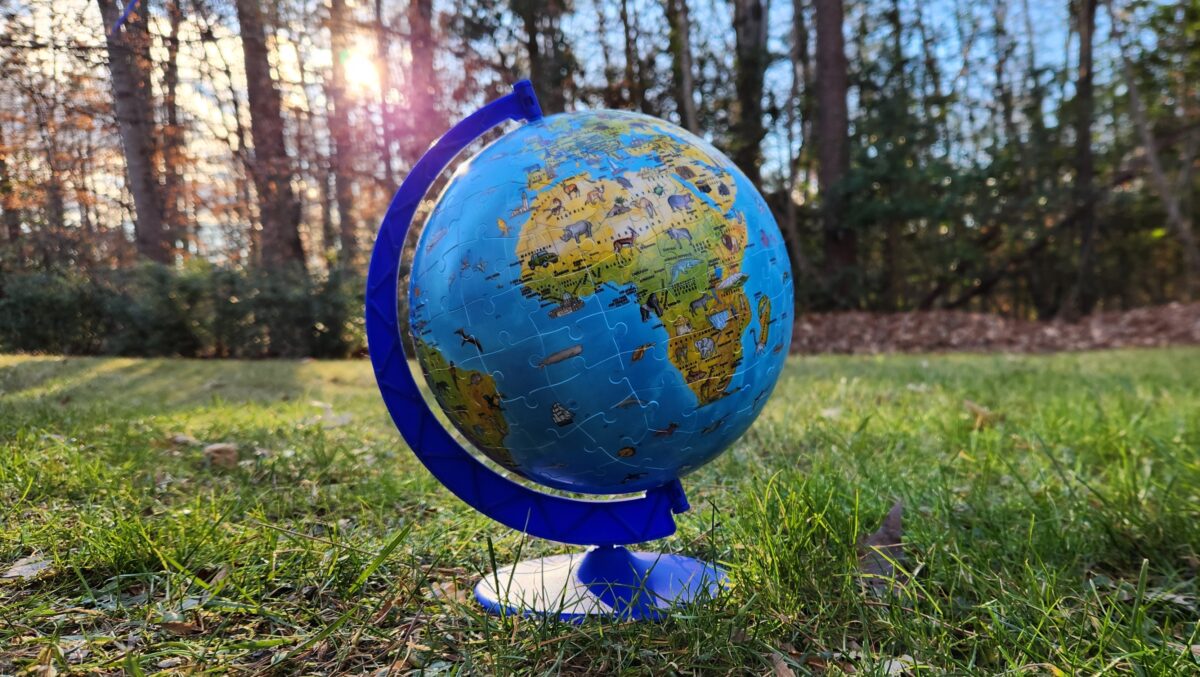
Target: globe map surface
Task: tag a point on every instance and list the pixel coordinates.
(600, 302)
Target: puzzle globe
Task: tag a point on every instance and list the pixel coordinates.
(600, 302)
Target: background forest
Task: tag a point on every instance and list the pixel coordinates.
(206, 179)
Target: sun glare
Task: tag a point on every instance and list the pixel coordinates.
(362, 75)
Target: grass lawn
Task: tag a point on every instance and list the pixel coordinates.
(1059, 532)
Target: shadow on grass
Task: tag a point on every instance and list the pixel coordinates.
(157, 386)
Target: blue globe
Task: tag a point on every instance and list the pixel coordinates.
(600, 302)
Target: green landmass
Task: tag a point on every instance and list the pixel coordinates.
(470, 400)
(663, 229)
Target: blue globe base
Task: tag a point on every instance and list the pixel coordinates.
(606, 581)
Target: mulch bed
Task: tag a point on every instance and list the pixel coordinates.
(937, 331)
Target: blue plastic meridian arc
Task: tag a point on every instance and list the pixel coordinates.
(556, 518)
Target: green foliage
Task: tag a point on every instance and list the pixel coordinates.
(198, 311)
(963, 185)
(53, 313)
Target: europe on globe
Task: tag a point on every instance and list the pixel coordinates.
(600, 302)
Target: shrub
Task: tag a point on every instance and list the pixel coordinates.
(57, 313)
(197, 311)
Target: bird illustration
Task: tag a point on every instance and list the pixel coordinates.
(502, 226)
(467, 338)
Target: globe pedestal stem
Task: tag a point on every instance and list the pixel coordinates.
(606, 581)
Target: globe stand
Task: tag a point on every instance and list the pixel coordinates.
(604, 581)
(607, 580)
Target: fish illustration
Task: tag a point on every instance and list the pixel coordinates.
(631, 401)
(682, 267)
(559, 356)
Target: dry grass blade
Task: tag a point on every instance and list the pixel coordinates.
(984, 417)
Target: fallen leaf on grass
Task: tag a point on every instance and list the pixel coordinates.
(384, 610)
(450, 590)
(780, 668)
(222, 455)
(183, 440)
(1195, 648)
(179, 628)
(900, 666)
(878, 551)
(1184, 601)
(26, 568)
(984, 417)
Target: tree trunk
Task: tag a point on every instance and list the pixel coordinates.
(173, 210)
(1082, 297)
(750, 59)
(681, 63)
(426, 121)
(9, 204)
(797, 111)
(633, 79)
(272, 169)
(544, 45)
(387, 116)
(329, 233)
(892, 294)
(339, 131)
(832, 137)
(129, 66)
(802, 86)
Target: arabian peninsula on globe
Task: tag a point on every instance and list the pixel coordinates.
(600, 302)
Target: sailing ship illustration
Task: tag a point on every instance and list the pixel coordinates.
(561, 415)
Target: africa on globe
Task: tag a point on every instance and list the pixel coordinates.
(599, 302)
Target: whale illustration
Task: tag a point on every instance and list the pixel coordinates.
(564, 354)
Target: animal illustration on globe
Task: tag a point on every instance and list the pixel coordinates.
(612, 334)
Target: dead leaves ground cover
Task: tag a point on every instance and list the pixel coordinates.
(1049, 506)
(952, 331)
